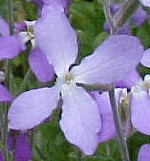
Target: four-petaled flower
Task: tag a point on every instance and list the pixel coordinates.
(80, 119)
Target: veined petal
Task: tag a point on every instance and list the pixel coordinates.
(60, 46)
(146, 58)
(32, 107)
(144, 153)
(145, 2)
(10, 47)
(5, 96)
(140, 111)
(4, 28)
(40, 66)
(110, 62)
(80, 119)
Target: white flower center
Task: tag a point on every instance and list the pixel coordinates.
(68, 79)
(65, 80)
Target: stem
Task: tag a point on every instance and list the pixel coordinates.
(10, 15)
(4, 132)
(126, 11)
(107, 149)
(26, 79)
(109, 17)
(118, 125)
(8, 83)
(95, 87)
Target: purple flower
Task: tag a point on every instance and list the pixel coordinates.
(144, 153)
(146, 58)
(23, 150)
(21, 147)
(80, 119)
(138, 19)
(12, 46)
(145, 2)
(5, 96)
(108, 130)
(140, 101)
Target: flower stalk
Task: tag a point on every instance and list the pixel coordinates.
(8, 84)
(119, 131)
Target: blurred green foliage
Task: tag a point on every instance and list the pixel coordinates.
(48, 141)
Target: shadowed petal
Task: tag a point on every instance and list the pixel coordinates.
(140, 111)
(40, 66)
(131, 80)
(23, 150)
(146, 58)
(10, 47)
(144, 153)
(108, 127)
(80, 119)
(60, 46)
(4, 28)
(139, 17)
(32, 107)
(110, 62)
(5, 96)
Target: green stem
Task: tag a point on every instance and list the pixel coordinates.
(8, 84)
(126, 11)
(109, 17)
(26, 79)
(94, 87)
(10, 15)
(4, 132)
(118, 125)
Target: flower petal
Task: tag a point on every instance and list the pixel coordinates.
(139, 17)
(23, 150)
(144, 153)
(10, 47)
(131, 80)
(80, 120)
(108, 130)
(60, 46)
(110, 62)
(140, 111)
(63, 3)
(146, 58)
(4, 28)
(145, 2)
(32, 107)
(40, 66)
(5, 96)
